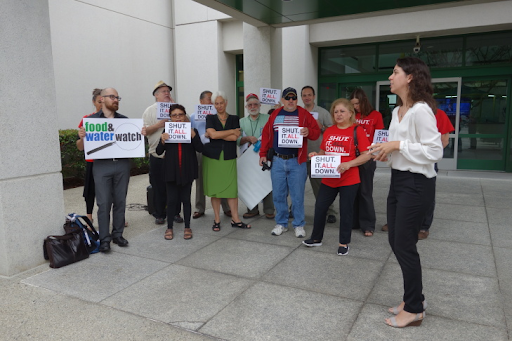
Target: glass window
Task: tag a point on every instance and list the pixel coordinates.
(345, 60)
(439, 52)
(488, 49)
(326, 95)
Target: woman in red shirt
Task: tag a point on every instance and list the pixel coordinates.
(370, 120)
(339, 140)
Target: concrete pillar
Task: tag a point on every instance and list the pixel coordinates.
(259, 65)
(31, 197)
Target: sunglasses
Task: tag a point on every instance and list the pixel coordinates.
(293, 98)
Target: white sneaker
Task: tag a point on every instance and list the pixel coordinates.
(299, 232)
(278, 230)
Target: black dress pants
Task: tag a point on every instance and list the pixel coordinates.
(326, 196)
(364, 210)
(410, 196)
(177, 194)
(157, 181)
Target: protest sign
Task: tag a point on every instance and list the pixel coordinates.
(203, 110)
(260, 185)
(162, 110)
(381, 135)
(113, 138)
(270, 96)
(315, 115)
(179, 132)
(289, 137)
(324, 166)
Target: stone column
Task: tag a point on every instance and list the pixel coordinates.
(31, 197)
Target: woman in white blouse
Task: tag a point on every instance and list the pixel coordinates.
(414, 147)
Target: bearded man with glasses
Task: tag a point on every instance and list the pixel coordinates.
(289, 165)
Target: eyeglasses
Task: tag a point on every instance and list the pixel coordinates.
(113, 97)
(293, 98)
(177, 115)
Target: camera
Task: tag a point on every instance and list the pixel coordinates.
(417, 47)
(265, 166)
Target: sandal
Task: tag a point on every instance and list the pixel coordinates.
(240, 225)
(216, 226)
(188, 233)
(368, 233)
(169, 234)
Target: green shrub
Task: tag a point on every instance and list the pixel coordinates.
(73, 161)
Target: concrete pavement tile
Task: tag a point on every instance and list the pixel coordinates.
(503, 259)
(97, 277)
(453, 295)
(179, 295)
(370, 326)
(32, 313)
(460, 186)
(465, 258)
(470, 199)
(501, 235)
(461, 213)
(460, 231)
(272, 312)
(239, 257)
(326, 273)
(501, 200)
(499, 216)
(153, 245)
(261, 232)
(495, 185)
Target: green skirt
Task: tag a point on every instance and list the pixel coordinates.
(220, 177)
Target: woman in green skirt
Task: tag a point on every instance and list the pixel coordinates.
(219, 160)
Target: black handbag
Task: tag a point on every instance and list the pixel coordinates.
(64, 250)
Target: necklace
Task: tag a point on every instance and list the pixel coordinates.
(222, 119)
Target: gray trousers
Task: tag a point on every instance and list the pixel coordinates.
(111, 180)
(200, 198)
(268, 205)
(315, 185)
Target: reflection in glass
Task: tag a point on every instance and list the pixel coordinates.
(346, 60)
(326, 95)
(495, 48)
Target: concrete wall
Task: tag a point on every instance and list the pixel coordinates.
(483, 17)
(31, 200)
(201, 62)
(127, 45)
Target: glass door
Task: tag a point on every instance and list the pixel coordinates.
(447, 92)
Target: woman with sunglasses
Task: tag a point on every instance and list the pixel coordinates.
(180, 170)
(413, 148)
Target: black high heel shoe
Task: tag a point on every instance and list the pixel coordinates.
(216, 226)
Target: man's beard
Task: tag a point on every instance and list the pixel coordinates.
(112, 107)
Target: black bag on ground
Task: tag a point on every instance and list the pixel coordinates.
(64, 250)
(150, 196)
(90, 235)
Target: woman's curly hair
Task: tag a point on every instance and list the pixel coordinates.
(420, 87)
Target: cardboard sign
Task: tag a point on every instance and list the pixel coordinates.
(162, 110)
(315, 115)
(260, 184)
(324, 166)
(203, 110)
(270, 96)
(113, 138)
(381, 135)
(179, 132)
(289, 137)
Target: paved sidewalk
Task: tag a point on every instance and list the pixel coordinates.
(250, 285)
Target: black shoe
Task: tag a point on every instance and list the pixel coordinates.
(160, 221)
(343, 250)
(331, 219)
(105, 247)
(178, 218)
(119, 241)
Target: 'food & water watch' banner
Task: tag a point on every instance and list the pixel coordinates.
(113, 138)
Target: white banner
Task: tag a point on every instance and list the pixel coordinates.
(179, 132)
(289, 137)
(270, 96)
(113, 138)
(324, 166)
(381, 135)
(162, 110)
(253, 183)
(203, 110)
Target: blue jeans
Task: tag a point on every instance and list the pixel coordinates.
(289, 176)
